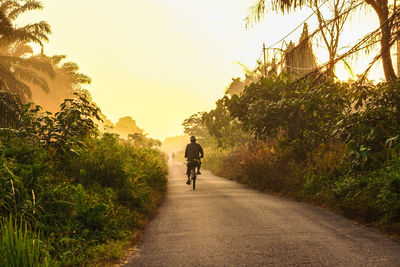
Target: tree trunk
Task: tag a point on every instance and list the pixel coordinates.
(398, 57)
(388, 69)
(382, 10)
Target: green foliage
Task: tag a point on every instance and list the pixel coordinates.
(222, 126)
(373, 196)
(82, 192)
(19, 69)
(331, 143)
(10, 110)
(301, 115)
(20, 246)
(255, 163)
(194, 125)
(141, 140)
(371, 129)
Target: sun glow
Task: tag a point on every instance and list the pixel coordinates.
(161, 61)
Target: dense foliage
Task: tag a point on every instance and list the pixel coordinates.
(332, 143)
(76, 192)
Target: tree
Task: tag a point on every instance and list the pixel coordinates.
(299, 116)
(237, 85)
(139, 139)
(126, 126)
(67, 80)
(221, 125)
(330, 32)
(18, 67)
(194, 125)
(381, 7)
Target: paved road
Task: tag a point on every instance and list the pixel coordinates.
(224, 223)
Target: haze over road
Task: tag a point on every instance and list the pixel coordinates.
(224, 223)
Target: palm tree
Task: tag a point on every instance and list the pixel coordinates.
(19, 68)
(67, 80)
(381, 8)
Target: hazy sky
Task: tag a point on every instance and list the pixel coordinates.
(160, 61)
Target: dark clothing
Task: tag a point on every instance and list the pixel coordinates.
(194, 151)
(194, 163)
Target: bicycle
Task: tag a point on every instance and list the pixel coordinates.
(193, 164)
(193, 177)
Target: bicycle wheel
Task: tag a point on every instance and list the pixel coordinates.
(193, 172)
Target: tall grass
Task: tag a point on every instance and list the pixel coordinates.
(20, 246)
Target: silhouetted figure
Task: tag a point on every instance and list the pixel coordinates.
(193, 153)
(173, 157)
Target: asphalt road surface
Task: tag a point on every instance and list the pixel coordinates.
(223, 223)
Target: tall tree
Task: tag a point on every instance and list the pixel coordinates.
(126, 126)
(66, 81)
(381, 7)
(19, 68)
(330, 32)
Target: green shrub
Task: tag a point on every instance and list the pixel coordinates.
(373, 196)
(82, 192)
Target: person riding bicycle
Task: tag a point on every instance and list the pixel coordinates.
(193, 153)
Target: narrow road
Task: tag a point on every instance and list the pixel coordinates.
(224, 223)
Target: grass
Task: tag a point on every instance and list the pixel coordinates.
(20, 246)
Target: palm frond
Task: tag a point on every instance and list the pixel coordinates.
(41, 27)
(56, 59)
(69, 67)
(257, 11)
(21, 49)
(37, 63)
(10, 110)
(11, 84)
(40, 64)
(28, 6)
(10, 60)
(31, 77)
(81, 78)
(7, 5)
(5, 24)
(348, 67)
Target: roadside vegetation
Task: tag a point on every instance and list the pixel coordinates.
(334, 144)
(72, 196)
(71, 192)
(291, 127)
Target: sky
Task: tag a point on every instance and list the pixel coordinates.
(160, 61)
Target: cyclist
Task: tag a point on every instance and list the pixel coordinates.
(193, 153)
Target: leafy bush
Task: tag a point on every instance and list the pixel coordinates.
(332, 143)
(373, 196)
(82, 192)
(300, 115)
(371, 129)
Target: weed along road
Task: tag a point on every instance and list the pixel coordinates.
(224, 223)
